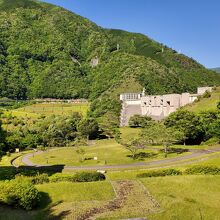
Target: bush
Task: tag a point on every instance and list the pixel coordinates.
(59, 177)
(78, 177)
(207, 94)
(155, 173)
(88, 177)
(19, 192)
(212, 170)
(40, 178)
(212, 141)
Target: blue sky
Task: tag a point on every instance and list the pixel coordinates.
(191, 27)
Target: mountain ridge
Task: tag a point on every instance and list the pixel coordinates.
(217, 69)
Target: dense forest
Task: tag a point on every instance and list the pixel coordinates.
(47, 51)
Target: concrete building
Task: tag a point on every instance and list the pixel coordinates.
(156, 106)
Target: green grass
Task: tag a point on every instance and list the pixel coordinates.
(186, 197)
(6, 160)
(57, 197)
(51, 109)
(128, 133)
(107, 151)
(69, 192)
(205, 104)
(215, 161)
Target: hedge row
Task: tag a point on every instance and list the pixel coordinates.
(195, 170)
(212, 170)
(155, 173)
(59, 177)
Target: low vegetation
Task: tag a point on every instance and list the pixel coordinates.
(206, 170)
(19, 192)
(156, 173)
(205, 103)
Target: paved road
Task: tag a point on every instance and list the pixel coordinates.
(195, 154)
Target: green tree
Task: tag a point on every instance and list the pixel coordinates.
(186, 122)
(208, 121)
(108, 124)
(159, 134)
(218, 105)
(133, 146)
(139, 121)
(81, 152)
(89, 128)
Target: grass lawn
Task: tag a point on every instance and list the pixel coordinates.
(56, 197)
(107, 151)
(128, 133)
(6, 160)
(205, 104)
(186, 197)
(69, 192)
(51, 109)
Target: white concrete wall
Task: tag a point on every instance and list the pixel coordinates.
(202, 90)
(160, 106)
(135, 102)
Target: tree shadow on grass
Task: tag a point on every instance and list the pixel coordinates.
(45, 200)
(171, 150)
(48, 212)
(43, 212)
(143, 155)
(9, 172)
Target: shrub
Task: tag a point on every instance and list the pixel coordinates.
(213, 170)
(78, 177)
(155, 173)
(212, 141)
(88, 177)
(19, 192)
(40, 178)
(59, 177)
(207, 94)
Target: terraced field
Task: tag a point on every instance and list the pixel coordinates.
(52, 109)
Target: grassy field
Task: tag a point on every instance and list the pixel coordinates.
(77, 191)
(6, 160)
(165, 198)
(128, 133)
(56, 197)
(206, 104)
(186, 197)
(107, 151)
(51, 109)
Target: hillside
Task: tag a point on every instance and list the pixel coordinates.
(47, 51)
(206, 104)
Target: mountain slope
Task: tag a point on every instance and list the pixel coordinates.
(205, 104)
(46, 51)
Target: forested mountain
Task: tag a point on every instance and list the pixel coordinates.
(47, 51)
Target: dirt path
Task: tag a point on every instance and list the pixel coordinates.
(195, 155)
(129, 193)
